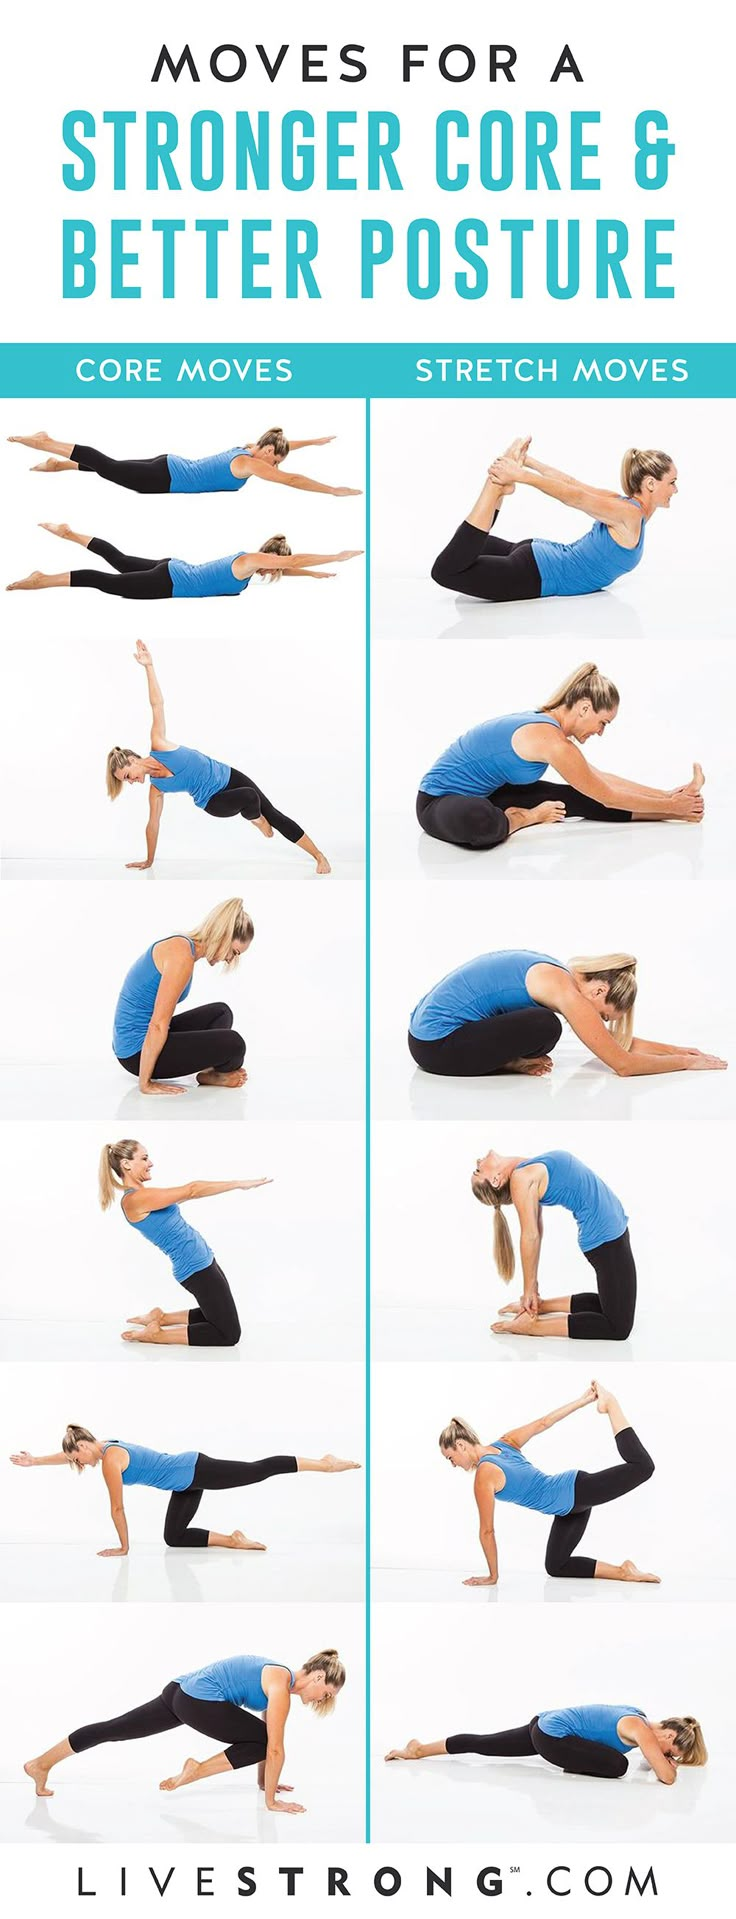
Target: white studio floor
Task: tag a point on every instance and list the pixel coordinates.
(436, 1585)
(307, 1088)
(300, 1569)
(347, 863)
(575, 851)
(57, 1340)
(462, 1330)
(212, 1813)
(578, 1088)
(650, 607)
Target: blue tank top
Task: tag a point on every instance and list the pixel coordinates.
(191, 772)
(136, 1001)
(527, 1486)
(238, 1680)
(598, 1214)
(208, 580)
(492, 983)
(589, 1722)
(172, 1234)
(209, 475)
(167, 1472)
(586, 565)
(484, 758)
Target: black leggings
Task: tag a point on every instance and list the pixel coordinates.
(214, 1320)
(241, 795)
(215, 1475)
(589, 1757)
(594, 1489)
(133, 579)
(477, 563)
(486, 1045)
(609, 1313)
(196, 1040)
(140, 476)
(478, 820)
(242, 1735)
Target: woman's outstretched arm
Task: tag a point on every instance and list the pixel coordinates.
(246, 464)
(520, 1435)
(558, 991)
(155, 695)
(597, 502)
(153, 1199)
(573, 767)
(248, 563)
(39, 1459)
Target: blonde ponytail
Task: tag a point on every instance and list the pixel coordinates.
(689, 1742)
(331, 1665)
(118, 758)
(503, 1245)
(457, 1429)
(276, 438)
(639, 465)
(70, 1443)
(586, 682)
(110, 1171)
(277, 544)
(226, 923)
(618, 973)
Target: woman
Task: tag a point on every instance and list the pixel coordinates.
(185, 1476)
(499, 1014)
(139, 579)
(220, 1702)
(476, 563)
(218, 789)
(559, 1179)
(489, 782)
(593, 1741)
(503, 1472)
(154, 1212)
(169, 473)
(150, 1039)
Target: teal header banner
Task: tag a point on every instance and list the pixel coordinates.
(170, 370)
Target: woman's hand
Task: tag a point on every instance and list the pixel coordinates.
(695, 1062)
(530, 1302)
(113, 1552)
(587, 1398)
(249, 1185)
(277, 1806)
(480, 1579)
(138, 866)
(506, 472)
(687, 804)
(22, 1459)
(161, 1086)
(142, 654)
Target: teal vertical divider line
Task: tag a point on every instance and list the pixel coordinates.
(367, 1121)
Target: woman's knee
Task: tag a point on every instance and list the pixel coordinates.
(173, 1532)
(229, 1328)
(553, 1563)
(548, 1029)
(236, 1051)
(222, 1015)
(620, 1325)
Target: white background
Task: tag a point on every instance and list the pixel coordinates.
(273, 683)
(113, 1667)
(452, 1673)
(425, 1529)
(435, 1286)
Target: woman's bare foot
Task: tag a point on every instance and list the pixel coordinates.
(28, 585)
(548, 814)
(188, 1772)
(519, 448)
(37, 441)
(211, 1078)
(331, 1464)
(153, 1318)
(39, 1774)
(52, 466)
(534, 1067)
(602, 1396)
(631, 1572)
(523, 1323)
(412, 1750)
(263, 827)
(698, 779)
(242, 1544)
(146, 1335)
(323, 865)
(510, 1312)
(63, 531)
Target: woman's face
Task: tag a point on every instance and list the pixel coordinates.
(588, 725)
(460, 1456)
(662, 492)
(132, 774)
(232, 952)
(85, 1454)
(317, 1689)
(140, 1166)
(486, 1167)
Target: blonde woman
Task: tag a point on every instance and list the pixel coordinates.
(489, 782)
(151, 1040)
(218, 789)
(593, 1741)
(559, 1179)
(502, 1012)
(241, 1703)
(487, 568)
(503, 1473)
(184, 1476)
(170, 473)
(155, 1213)
(134, 578)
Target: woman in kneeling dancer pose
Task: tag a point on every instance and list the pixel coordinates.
(503, 1472)
(172, 473)
(185, 1476)
(126, 1168)
(140, 579)
(559, 1179)
(593, 1741)
(215, 787)
(221, 1702)
(490, 783)
(477, 563)
(499, 1014)
(150, 1039)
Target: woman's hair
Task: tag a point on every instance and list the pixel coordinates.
(689, 1742)
(110, 1176)
(618, 972)
(640, 464)
(585, 683)
(457, 1429)
(503, 1245)
(225, 923)
(118, 757)
(277, 544)
(334, 1671)
(70, 1442)
(276, 438)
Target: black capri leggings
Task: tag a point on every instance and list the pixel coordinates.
(133, 579)
(594, 1489)
(486, 1045)
(589, 1757)
(242, 1735)
(487, 568)
(241, 795)
(200, 1038)
(215, 1475)
(140, 476)
(609, 1313)
(478, 820)
(214, 1320)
